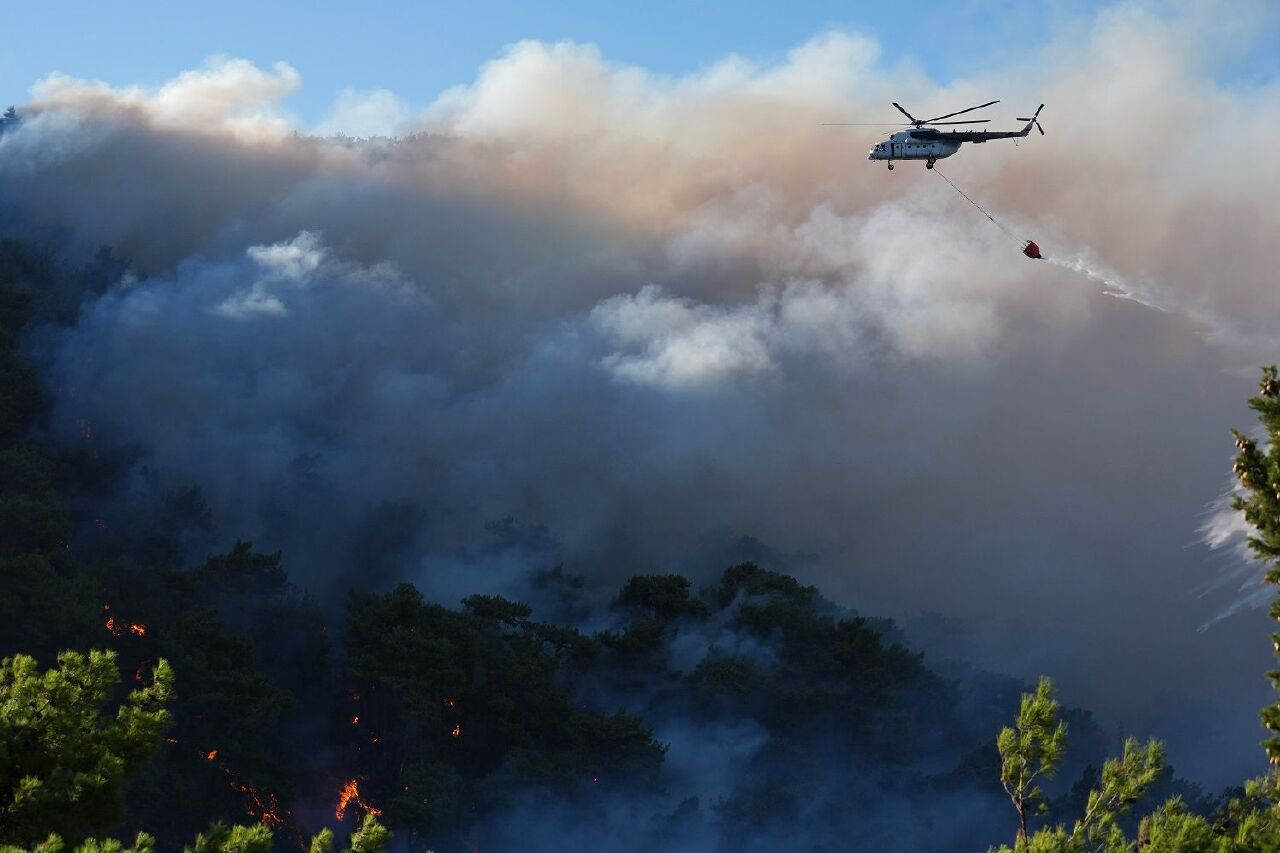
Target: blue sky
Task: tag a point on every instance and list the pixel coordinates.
(418, 49)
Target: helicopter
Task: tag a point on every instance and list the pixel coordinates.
(930, 144)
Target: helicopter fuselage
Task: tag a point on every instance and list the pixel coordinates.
(920, 144)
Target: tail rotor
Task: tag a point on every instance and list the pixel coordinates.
(1035, 119)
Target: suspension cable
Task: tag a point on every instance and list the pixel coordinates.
(980, 208)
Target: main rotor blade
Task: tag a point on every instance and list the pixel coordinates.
(958, 112)
(864, 124)
(1039, 128)
(914, 120)
(968, 121)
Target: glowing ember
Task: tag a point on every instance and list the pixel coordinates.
(138, 630)
(263, 805)
(171, 740)
(456, 731)
(349, 794)
(264, 808)
(113, 627)
(355, 721)
(450, 703)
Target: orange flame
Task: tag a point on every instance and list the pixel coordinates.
(349, 794)
(118, 628)
(211, 754)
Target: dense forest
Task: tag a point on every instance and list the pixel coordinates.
(217, 703)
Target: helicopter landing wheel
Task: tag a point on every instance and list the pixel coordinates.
(890, 167)
(929, 165)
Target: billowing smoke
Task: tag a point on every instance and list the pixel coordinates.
(646, 316)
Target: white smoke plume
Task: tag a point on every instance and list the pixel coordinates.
(657, 313)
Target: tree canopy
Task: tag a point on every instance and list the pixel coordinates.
(62, 758)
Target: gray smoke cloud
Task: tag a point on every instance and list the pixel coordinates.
(654, 314)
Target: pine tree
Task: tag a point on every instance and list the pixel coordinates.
(62, 759)
(1030, 750)
(1258, 472)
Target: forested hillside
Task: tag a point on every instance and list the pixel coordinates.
(747, 714)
